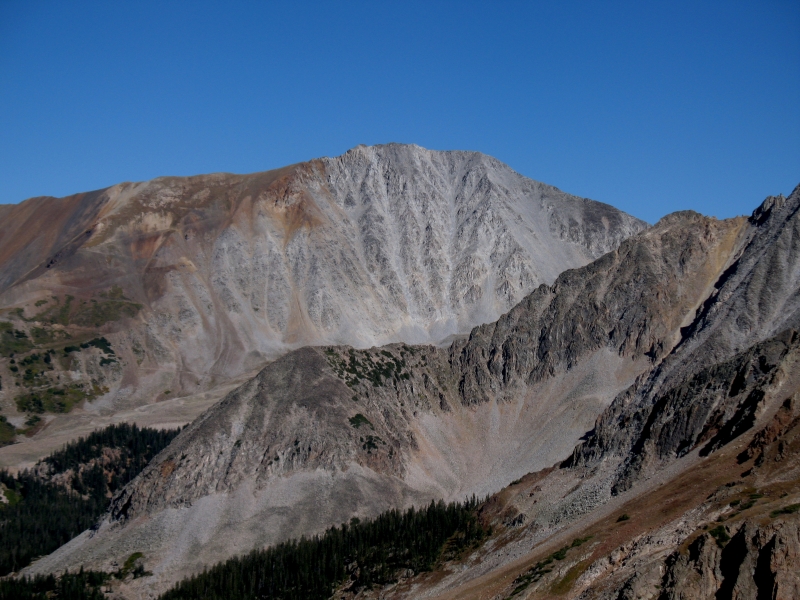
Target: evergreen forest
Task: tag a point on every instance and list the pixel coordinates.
(69, 490)
(354, 556)
(84, 585)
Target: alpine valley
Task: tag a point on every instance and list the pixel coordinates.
(354, 337)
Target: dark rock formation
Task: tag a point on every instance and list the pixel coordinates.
(759, 562)
(703, 386)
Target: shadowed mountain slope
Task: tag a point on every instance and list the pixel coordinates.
(756, 299)
(721, 520)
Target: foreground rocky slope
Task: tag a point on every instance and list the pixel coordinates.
(703, 527)
(324, 434)
(193, 282)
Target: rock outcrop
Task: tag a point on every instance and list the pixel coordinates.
(757, 562)
(698, 393)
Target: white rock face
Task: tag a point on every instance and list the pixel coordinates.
(395, 243)
(448, 240)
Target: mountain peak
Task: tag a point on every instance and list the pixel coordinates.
(221, 272)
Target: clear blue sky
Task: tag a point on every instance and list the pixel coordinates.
(649, 106)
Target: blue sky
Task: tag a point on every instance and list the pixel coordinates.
(649, 106)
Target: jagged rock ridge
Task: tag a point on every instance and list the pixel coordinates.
(732, 376)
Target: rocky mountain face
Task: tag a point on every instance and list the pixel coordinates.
(635, 420)
(146, 292)
(701, 453)
(396, 386)
(665, 350)
(756, 299)
(718, 524)
(720, 521)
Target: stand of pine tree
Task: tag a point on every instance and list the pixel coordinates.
(42, 515)
(356, 556)
(84, 585)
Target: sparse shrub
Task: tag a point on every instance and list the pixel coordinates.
(7, 432)
(362, 366)
(786, 510)
(55, 399)
(580, 541)
(363, 554)
(371, 443)
(13, 341)
(99, 313)
(358, 420)
(560, 554)
(542, 568)
(133, 566)
(720, 534)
